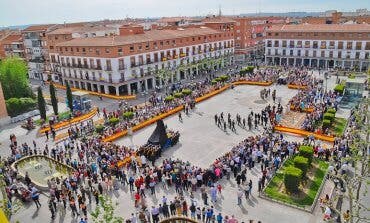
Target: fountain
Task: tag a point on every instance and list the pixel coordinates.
(41, 169)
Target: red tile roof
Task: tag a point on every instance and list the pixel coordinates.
(152, 35)
(12, 37)
(321, 28)
(80, 29)
(34, 28)
(219, 19)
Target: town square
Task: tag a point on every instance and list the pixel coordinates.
(172, 119)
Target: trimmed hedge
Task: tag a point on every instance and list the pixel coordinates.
(178, 95)
(339, 88)
(329, 116)
(128, 115)
(292, 178)
(169, 98)
(113, 121)
(245, 70)
(224, 78)
(186, 92)
(301, 163)
(331, 110)
(17, 106)
(307, 152)
(326, 123)
(99, 129)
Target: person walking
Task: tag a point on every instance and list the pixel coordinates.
(35, 196)
(240, 195)
(51, 208)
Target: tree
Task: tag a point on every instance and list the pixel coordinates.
(53, 98)
(69, 98)
(358, 175)
(13, 76)
(41, 103)
(165, 75)
(104, 213)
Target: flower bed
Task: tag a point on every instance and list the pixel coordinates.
(304, 133)
(252, 83)
(65, 123)
(293, 86)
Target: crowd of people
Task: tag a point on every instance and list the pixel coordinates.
(98, 168)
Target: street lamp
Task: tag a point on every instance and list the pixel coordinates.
(144, 94)
(326, 76)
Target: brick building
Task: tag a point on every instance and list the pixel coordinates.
(36, 50)
(337, 18)
(326, 45)
(127, 63)
(11, 44)
(250, 33)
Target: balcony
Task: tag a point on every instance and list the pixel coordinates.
(122, 67)
(108, 68)
(164, 59)
(182, 55)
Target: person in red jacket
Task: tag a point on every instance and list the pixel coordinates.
(137, 198)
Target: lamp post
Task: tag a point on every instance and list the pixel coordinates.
(144, 94)
(326, 76)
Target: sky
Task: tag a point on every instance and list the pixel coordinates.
(21, 12)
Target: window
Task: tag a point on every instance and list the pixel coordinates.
(349, 45)
(107, 50)
(132, 48)
(109, 66)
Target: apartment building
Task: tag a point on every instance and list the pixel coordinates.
(68, 32)
(250, 33)
(127, 63)
(326, 45)
(335, 17)
(11, 44)
(36, 50)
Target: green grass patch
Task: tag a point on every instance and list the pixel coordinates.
(306, 197)
(339, 125)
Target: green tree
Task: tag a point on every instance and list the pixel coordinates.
(69, 98)
(41, 103)
(13, 76)
(53, 98)
(104, 213)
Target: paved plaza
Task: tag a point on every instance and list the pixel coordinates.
(201, 142)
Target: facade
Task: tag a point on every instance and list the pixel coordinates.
(128, 63)
(68, 32)
(325, 46)
(36, 50)
(12, 45)
(250, 33)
